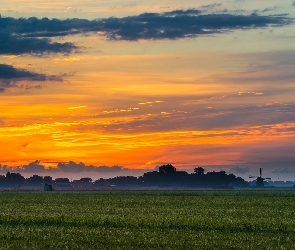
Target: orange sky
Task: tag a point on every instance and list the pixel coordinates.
(223, 100)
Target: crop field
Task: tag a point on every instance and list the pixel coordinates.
(147, 220)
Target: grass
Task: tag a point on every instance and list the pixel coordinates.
(148, 220)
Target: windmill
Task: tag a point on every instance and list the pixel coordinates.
(259, 179)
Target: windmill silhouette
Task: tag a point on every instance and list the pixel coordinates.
(259, 179)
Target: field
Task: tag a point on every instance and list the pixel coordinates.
(148, 220)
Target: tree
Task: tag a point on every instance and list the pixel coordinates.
(150, 179)
(62, 180)
(85, 179)
(124, 180)
(15, 180)
(2, 180)
(47, 179)
(167, 169)
(199, 171)
(35, 180)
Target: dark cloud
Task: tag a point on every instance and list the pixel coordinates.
(26, 36)
(31, 35)
(8, 72)
(69, 167)
(269, 9)
(33, 167)
(211, 5)
(9, 76)
(73, 167)
(12, 44)
(169, 25)
(177, 13)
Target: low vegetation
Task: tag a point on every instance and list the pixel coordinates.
(147, 220)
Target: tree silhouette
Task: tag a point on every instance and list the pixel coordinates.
(47, 179)
(167, 169)
(167, 176)
(35, 180)
(14, 180)
(86, 179)
(199, 171)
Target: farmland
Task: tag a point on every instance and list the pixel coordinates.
(148, 220)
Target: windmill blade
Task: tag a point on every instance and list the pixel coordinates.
(267, 178)
(251, 176)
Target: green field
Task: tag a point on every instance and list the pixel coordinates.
(148, 220)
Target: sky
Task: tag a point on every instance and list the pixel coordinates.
(118, 87)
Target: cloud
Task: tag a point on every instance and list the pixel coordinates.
(191, 113)
(10, 75)
(283, 171)
(31, 35)
(33, 167)
(73, 167)
(69, 167)
(269, 9)
(11, 44)
(239, 170)
(175, 25)
(211, 5)
(8, 72)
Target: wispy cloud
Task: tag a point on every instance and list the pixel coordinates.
(78, 107)
(9, 76)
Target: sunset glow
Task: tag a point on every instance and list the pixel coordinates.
(118, 86)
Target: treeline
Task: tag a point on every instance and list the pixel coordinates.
(166, 177)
